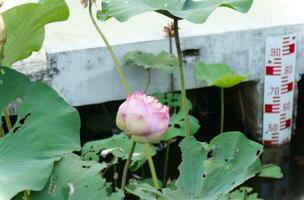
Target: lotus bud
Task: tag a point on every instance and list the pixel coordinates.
(85, 2)
(143, 118)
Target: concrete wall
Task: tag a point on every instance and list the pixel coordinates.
(88, 76)
(75, 62)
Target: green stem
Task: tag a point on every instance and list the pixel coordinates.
(126, 168)
(114, 58)
(168, 143)
(181, 78)
(1, 131)
(166, 165)
(222, 110)
(148, 81)
(152, 167)
(171, 75)
(7, 119)
(26, 195)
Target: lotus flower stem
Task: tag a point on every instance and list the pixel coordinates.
(126, 87)
(126, 168)
(222, 110)
(152, 167)
(110, 49)
(7, 119)
(181, 78)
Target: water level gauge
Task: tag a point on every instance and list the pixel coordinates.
(279, 89)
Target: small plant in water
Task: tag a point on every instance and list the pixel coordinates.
(219, 75)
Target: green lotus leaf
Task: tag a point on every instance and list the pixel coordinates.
(163, 61)
(219, 75)
(143, 190)
(271, 171)
(243, 193)
(216, 168)
(191, 10)
(74, 179)
(103, 15)
(118, 146)
(24, 27)
(176, 124)
(46, 129)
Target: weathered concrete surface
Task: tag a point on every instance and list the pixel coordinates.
(97, 80)
(78, 66)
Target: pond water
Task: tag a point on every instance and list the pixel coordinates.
(291, 187)
(290, 158)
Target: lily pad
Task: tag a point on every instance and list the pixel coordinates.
(271, 171)
(244, 193)
(46, 129)
(24, 27)
(176, 124)
(118, 146)
(74, 179)
(103, 15)
(219, 75)
(164, 61)
(191, 10)
(143, 190)
(216, 168)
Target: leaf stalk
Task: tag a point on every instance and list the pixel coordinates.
(126, 168)
(181, 78)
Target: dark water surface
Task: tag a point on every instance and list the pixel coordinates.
(290, 158)
(291, 186)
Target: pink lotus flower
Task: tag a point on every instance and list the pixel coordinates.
(143, 118)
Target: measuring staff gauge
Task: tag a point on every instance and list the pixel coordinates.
(279, 89)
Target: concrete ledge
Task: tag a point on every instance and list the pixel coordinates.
(88, 76)
(79, 67)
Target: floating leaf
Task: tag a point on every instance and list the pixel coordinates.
(13, 85)
(216, 168)
(176, 125)
(149, 181)
(271, 171)
(244, 193)
(191, 10)
(164, 61)
(118, 146)
(219, 75)
(144, 191)
(74, 179)
(24, 27)
(46, 129)
(103, 15)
